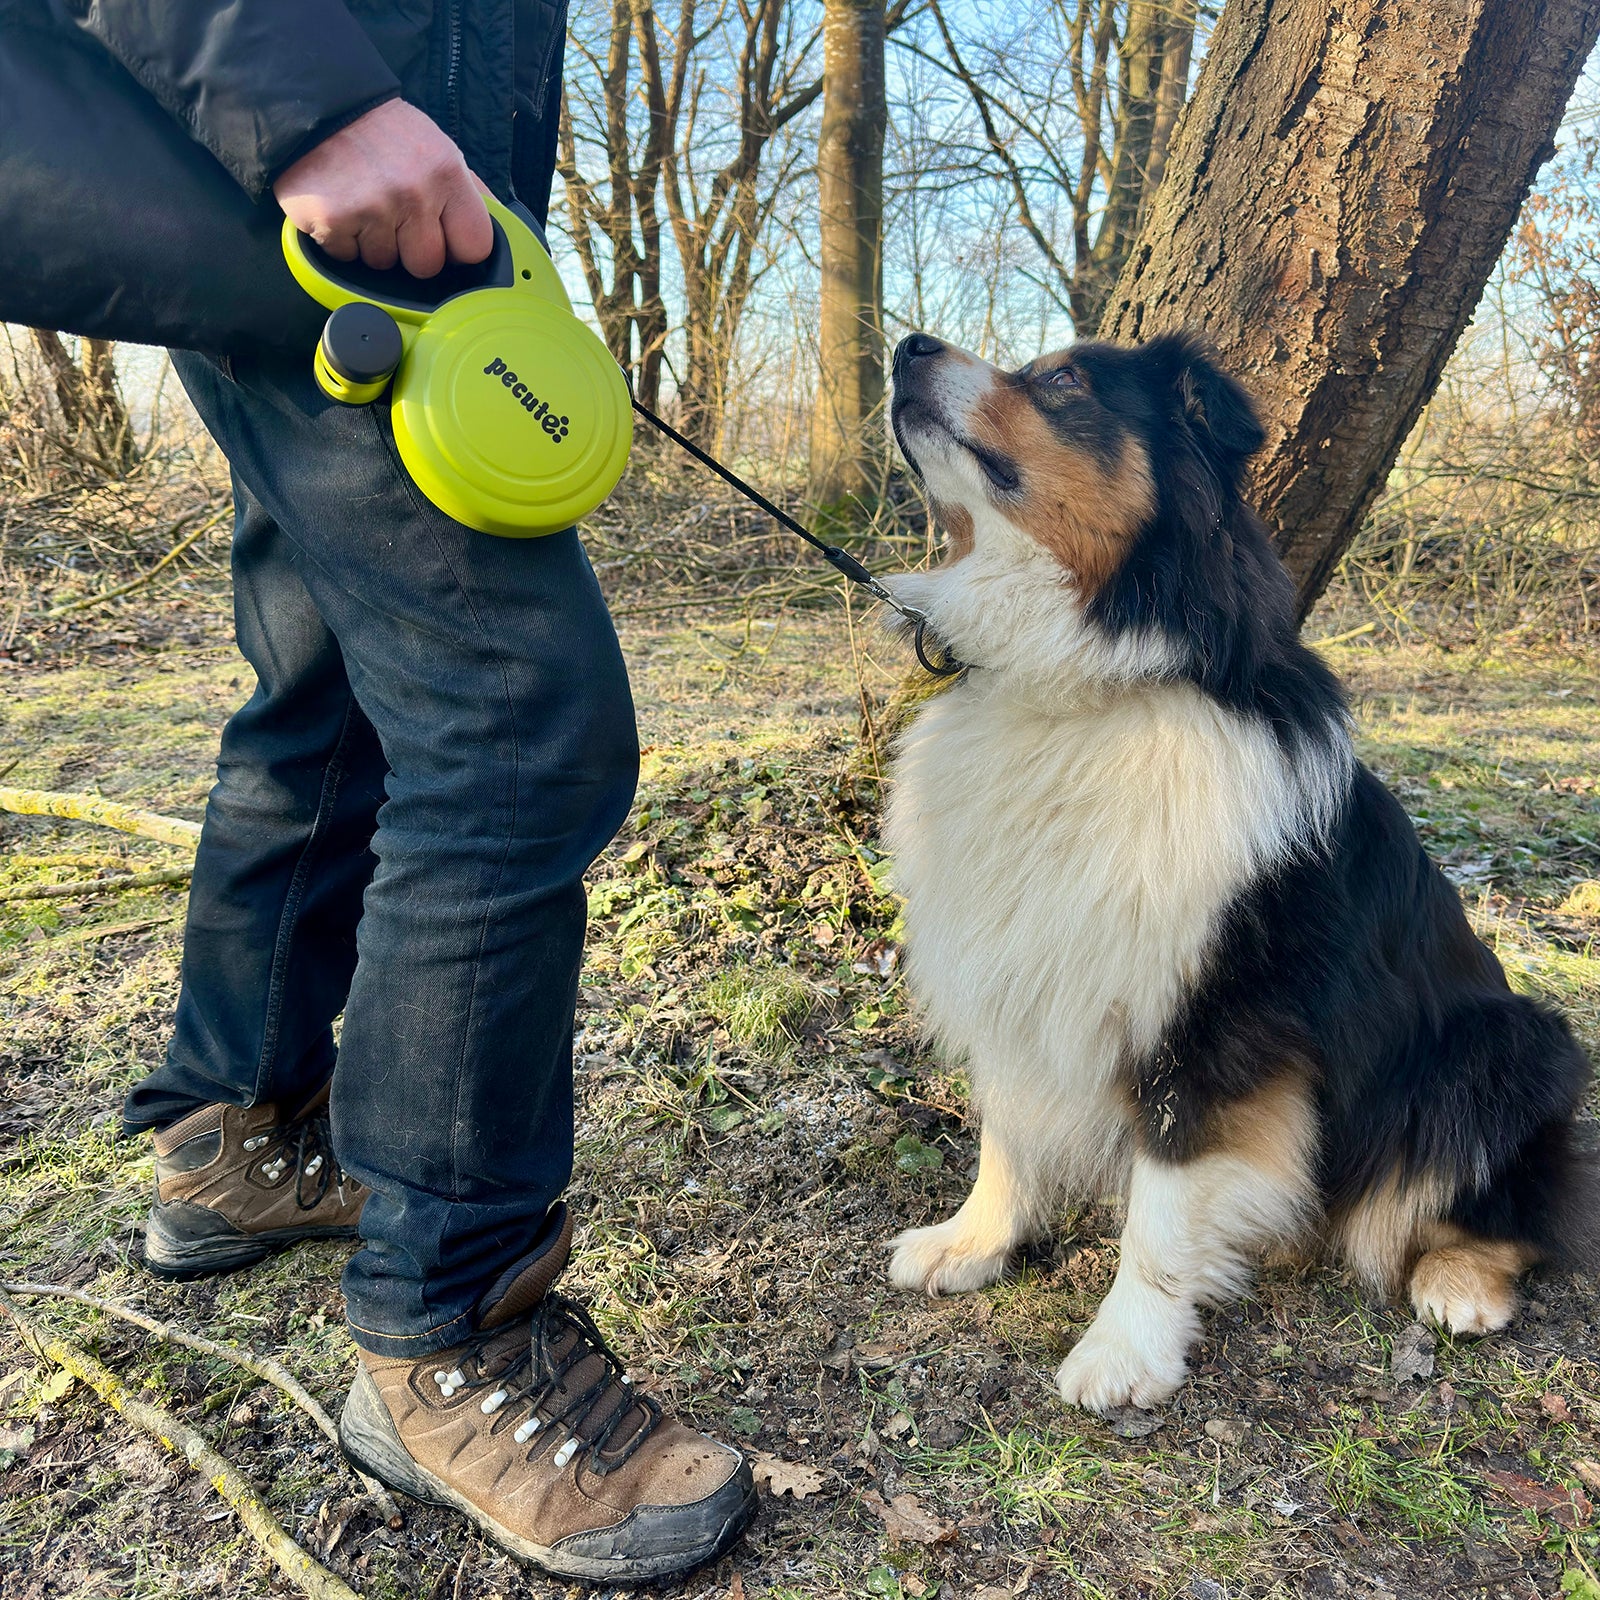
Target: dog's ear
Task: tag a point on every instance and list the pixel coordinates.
(1217, 407)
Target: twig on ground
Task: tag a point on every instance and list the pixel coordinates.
(1340, 638)
(93, 808)
(266, 1367)
(88, 886)
(108, 930)
(144, 577)
(307, 1574)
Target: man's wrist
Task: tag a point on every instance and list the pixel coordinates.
(326, 130)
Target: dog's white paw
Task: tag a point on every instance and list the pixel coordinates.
(943, 1260)
(1107, 1369)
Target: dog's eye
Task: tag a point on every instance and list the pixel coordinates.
(1062, 378)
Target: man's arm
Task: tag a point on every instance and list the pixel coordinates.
(292, 96)
(258, 84)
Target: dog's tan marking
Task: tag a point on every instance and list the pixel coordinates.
(1070, 504)
(956, 521)
(1273, 1130)
(1467, 1284)
(1389, 1227)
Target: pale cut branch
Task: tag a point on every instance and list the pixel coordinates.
(94, 808)
(145, 576)
(267, 1367)
(309, 1576)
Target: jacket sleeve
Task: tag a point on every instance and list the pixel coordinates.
(257, 82)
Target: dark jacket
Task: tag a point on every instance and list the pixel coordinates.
(115, 221)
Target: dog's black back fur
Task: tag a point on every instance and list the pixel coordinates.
(1353, 962)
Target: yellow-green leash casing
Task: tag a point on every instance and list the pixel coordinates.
(509, 413)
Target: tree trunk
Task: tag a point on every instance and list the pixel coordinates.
(1176, 48)
(90, 401)
(850, 173)
(1336, 197)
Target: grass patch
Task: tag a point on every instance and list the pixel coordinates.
(762, 1005)
(1424, 1491)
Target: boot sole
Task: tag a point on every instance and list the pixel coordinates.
(372, 1444)
(170, 1255)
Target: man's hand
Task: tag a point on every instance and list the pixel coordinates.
(390, 187)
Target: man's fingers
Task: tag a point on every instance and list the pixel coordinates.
(378, 246)
(390, 187)
(341, 246)
(421, 240)
(468, 232)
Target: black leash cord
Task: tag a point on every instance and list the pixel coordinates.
(841, 560)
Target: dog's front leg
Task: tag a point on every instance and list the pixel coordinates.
(1190, 1228)
(971, 1250)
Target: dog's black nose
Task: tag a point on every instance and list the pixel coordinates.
(916, 346)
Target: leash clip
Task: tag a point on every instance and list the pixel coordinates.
(947, 666)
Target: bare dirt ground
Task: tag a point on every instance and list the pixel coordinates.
(756, 1119)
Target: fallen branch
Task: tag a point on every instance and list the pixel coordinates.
(144, 577)
(307, 1574)
(266, 1367)
(107, 930)
(87, 886)
(94, 808)
(1340, 638)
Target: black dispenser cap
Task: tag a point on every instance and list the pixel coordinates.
(361, 342)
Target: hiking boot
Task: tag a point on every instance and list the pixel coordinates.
(532, 1429)
(234, 1183)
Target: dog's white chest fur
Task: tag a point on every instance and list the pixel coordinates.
(1062, 870)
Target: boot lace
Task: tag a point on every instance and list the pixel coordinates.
(308, 1143)
(531, 1384)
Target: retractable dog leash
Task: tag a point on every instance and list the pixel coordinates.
(509, 413)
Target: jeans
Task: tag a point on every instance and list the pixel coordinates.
(441, 742)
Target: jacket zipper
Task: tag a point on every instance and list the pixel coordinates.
(452, 76)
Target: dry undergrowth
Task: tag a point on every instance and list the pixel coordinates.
(756, 1118)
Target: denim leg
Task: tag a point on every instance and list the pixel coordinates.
(270, 941)
(491, 673)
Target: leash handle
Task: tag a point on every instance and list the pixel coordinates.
(840, 560)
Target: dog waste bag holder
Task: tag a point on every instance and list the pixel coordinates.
(509, 413)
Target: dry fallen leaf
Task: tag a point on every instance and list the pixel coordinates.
(1555, 1408)
(1589, 1473)
(1129, 1422)
(781, 1477)
(1568, 1509)
(906, 1522)
(1412, 1356)
(1227, 1430)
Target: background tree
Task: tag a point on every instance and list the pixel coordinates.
(1076, 102)
(95, 420)
(850, 256)
(717, 86)
(1338, 193)
(614, 223)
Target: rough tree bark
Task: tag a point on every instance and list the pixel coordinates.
(1339, 190)
(850, 178)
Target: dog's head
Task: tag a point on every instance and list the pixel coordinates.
(1091, 499)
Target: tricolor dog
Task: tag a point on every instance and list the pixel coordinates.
(1187, 945)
